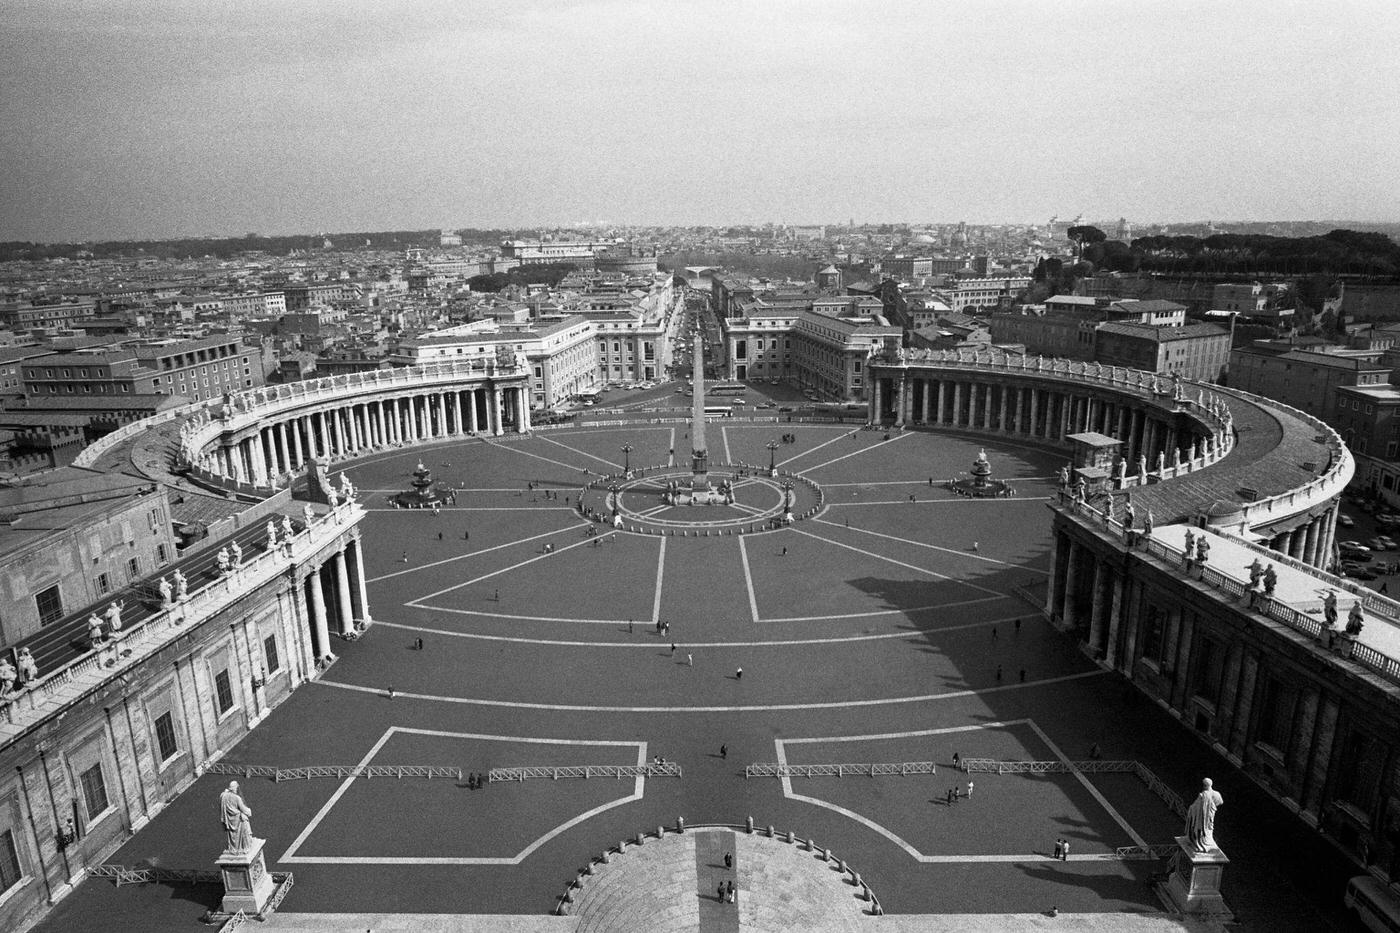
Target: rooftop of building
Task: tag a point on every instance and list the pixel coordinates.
(1163, 333)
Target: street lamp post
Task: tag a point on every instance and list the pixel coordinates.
(627, 458)
(772, 453)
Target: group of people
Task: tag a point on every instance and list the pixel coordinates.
(477, 781)
(21, 673)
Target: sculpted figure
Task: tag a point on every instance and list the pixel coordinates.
(1161, 461)
(1129, 514)
(181, 587)
(7, 676)
(28, 669)
(1147, 524)
(1202, 549)
(1142, 468)
(94, 630)
(222, 559)
(1354, 619)
(165, 591)
(234, 815)
(237, 553)
(114, 617)
(1200, 817)
(1270, 580)
(287, 529)
(347, 489)
(271, 535)
(307, 515)
(332, 499)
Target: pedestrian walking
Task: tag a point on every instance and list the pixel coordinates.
(1023, 675)
(930, 481)
(629, 626)
(1059, 847)
(739, 674)
(405, 557)
(391, 691)
(950, 795)
(1018, 625)
(957, 760)
(998, 673)
(1064, 850)
(724, 753)
(730, 891)
(728, 860)
(719, 894)
(498, 596)
(785, 550)
(690, 660)
(466, 536)
(673, 649)
(994, 633)
(439, 536)
(418, 644)
(969, 790)
(975, 548)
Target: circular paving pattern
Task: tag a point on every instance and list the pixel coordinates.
(746, 499)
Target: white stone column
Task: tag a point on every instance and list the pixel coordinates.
(987, 406)
(1005, 407)
(493, 404)
(255, 449)
(318, 614)
(522, 422)
(957, 403)
(938, 414)
(425, 431)
(284, 447)
(457, 413)
(342, 589)
(357, 572)
(298, 455)
(471, 410)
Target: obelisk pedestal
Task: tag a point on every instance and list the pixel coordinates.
(247, 884)
(1194, 885)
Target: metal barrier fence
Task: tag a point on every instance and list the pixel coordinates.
(1164, 793)
(133, 874)
(840, 770)
(667, 769)
(308, 772)
(1131, 853)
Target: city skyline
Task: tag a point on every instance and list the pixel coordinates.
(153, 120)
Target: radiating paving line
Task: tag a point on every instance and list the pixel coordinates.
(812, 450)
(448, 560)
(748, 580)
(724, 436)
(756, 708)
(856, 453)
(923, 634)
(660, 570)
(583, 453)
(418, 603)
(515, 448)
(897, 563)
(935, 547)
(893, 612)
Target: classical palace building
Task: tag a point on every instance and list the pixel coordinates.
(154, 656)
(1232, 637)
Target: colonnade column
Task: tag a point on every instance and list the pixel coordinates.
(1071, 588)
(298, 455)
(987, 407)
(318, 614)
(1310, 542)
(938, 415)
(356, 556)
(957, 403)
(342, 588)
(1096, 607)
(457, 413)
(471, 410)
(1115, 610)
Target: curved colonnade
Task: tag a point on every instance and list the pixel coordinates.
(1167, 432)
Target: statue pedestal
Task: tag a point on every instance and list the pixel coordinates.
(247, 884)
(1194, 885)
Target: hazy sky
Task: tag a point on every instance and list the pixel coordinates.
(127, 118)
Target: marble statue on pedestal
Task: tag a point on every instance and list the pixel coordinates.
(237, 554)
(165, 593)
(1200, 817)
(1329, 608)
(1147, 524)
(181, 586)
(234, 814)
(1354, 619)
(114, 617)
(222, 559)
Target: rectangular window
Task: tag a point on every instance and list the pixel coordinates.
(94, 791)
(270, 656)
(133, 568)
(161, 556)
(50, 605)
(165, 736)
(223, 692)
(10, 874)
(104, 583)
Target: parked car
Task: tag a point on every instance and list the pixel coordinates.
(1354, 549)
(1363, 574)
(1346, 521)
(1390, 543)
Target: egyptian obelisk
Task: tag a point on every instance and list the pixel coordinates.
(699, 458)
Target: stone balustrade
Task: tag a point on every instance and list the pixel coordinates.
(59, 688)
